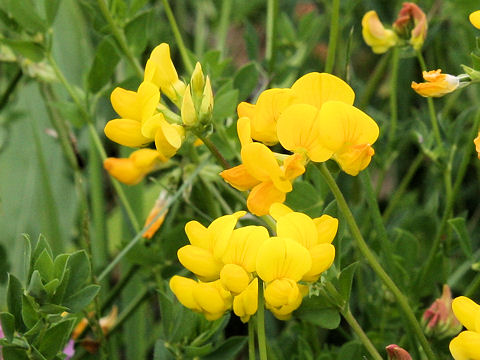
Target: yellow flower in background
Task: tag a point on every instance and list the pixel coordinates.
(160, 71)
(264, 114)
(375, 35)
(475, 19)
(133, 169)
(477, 144)
(437, 84)
(209, 299)
(208, 245)
(466, 346)
(246, 303)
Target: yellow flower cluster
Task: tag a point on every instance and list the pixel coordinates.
(228, 262)
(144, 119)
(466, 346)
(314, 119)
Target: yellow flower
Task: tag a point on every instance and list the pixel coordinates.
(264, 114)
(475, 19)
(160, 71)
(375, 35)
(209, 299)
(437, 84)
(315, 235)
(208, 245)
(466, 346)
(477, 144)
(133, 169)
(246, 303)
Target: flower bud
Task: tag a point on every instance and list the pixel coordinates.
(411, 16)
(395, 352)
(188, 112)
(197, 81)
(206, 106)
(439, 318)
(157, 208)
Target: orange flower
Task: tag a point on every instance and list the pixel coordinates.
(157, 208)
(437, 84)
(477, 144)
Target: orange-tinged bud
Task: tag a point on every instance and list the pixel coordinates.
(159, 206)
(439, 317)
(437, 84)
(411, 16)
(395, 352)
(375, 35)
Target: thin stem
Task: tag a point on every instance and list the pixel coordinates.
(200, 28)
(272, 7)
(372, 260)
(213, 149)
(262, 343)
(119, 36)
(392, 204)
(333, 38)
(224, 25)
(393, 97)
(357, 329)
(139, 235)
(374, 80)
(251, 340)
(178, 37)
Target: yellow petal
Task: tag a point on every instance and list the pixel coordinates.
(151, 125)
(294, 166)
(322, 258)
(246, 303)
(298, 132)
(148, 99)
(278, 210)
(375, 35)
(145, 158)
(262, 196)
(124, 170)
(221, 230)
(281, 292)
(355, 158)
(280, 258)
(299, 227)
(200, 261)
(213, 300)
(183, 287)
(239, 178)
(327, 227)
(245, 109)
(188, 112)
(124, 102)
(343, 125)
(126, 132)
(475, 19)
(317, 88)
(198, 235)
(466, 346)
(466, 311)
(167, 139)
(234, 278)
(244, 131)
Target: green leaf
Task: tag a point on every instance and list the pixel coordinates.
(29, 49)
(161, 352)
(42, 244)
(136, 31)
(14, 353)
(53, 309)
(251, 41)
(55, 338)
(59, 265)
(246, 80)
(305, 198)
(25, 14)
(29, 313)
(8, 325)
(200, 351)
(345, 280)
(51, 9)
(316, 311)
(51, 286)
(44, 265)
(4, 265)
(225, 103)
(79, 267)
(76, 302)
(460, 227)
(14, 301)
(70, 111)
(104, 63)
(27, 253)
(228, 349)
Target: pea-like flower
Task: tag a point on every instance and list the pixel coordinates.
(375, 34)
(475, 19)
(466, 346)
(133, 169)
(437, 84)
(412, 23)
(439, 318)
(395, 352)
(246, 303)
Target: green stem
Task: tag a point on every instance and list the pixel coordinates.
(251, 340)
(139, 235)
(200, 28)
(377, 219)
(224, 25)
(119, 36)
(357, 329)
(374, 264)
(333, 38)
(392, 204)
(393, 97)
(272, 8)
(178, 37)
(10, 88)
(213, 149)
(431, 106)
(373, 81)
(262, 342)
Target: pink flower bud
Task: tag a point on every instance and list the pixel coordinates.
(395, 352)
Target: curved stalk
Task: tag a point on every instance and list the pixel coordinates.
(262, 343)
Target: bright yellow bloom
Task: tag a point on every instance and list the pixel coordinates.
(210, 299)
(477, 144)
(437, 84)
(264, 114)
(315, 235)
(466, 346)
(208, 245)
(375, 35)
(475, 19)
(246, 303)
(160, 71)
(133, 169)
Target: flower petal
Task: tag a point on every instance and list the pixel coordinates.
(239, 178)
(466, 311)
(126, 132)
(262, 196)
(466, 346)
